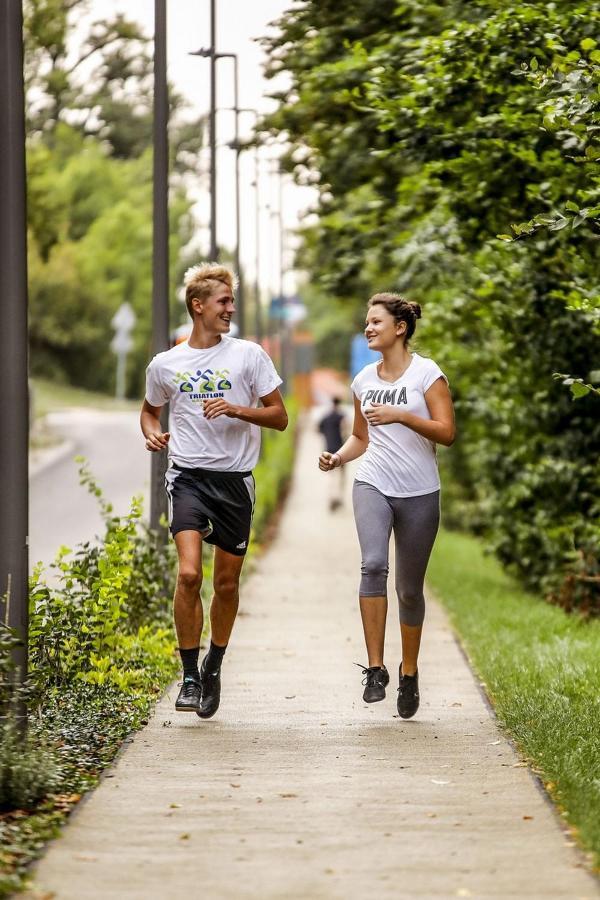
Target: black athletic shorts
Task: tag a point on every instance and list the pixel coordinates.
(219, 505)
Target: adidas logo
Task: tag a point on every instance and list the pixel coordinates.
(241, 546)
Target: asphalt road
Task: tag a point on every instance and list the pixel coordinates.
(61, 511)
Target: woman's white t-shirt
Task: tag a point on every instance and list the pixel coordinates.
(240, 372)
(398, 461)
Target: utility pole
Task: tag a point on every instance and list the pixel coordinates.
(160, 246)
(214, 248)
(14, 446)
(209, 53)
(257, 309)
(241, 304)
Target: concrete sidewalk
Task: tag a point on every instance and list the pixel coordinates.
(297, 789)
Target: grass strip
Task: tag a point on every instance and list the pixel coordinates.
(541, 670)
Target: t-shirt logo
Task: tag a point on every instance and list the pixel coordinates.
(203, 385)
(397, 396)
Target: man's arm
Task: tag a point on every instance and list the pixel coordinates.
(156, 438)
(272, 414)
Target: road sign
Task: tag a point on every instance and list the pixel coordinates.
(122, 321)
(124, 318)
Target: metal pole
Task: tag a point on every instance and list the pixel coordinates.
(160, 247)
(214, 249)
(257, 308)
(241, 300)
(14, 447)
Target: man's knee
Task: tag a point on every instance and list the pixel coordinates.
(226, 585)
(189, 577)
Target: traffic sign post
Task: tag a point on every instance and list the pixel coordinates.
(122, 322)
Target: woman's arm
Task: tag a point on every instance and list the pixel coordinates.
(440, 428)
(354, 447)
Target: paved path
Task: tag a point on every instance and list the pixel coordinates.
(299, 790)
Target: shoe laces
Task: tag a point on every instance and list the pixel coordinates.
(408, 684)
(189, 684)
(371, 674)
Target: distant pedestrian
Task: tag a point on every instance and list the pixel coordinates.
(331, 427)
(402, 409)
(213, 384)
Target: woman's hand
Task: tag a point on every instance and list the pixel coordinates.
(329, 461)
(382, 414)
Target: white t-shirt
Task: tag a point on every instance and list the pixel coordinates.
(240, 372)
(398, 461)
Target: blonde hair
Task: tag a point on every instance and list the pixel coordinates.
(203, 280)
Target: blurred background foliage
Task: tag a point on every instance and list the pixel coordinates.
(455, 147)
(89, 162)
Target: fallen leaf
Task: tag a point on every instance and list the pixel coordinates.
(493, 743)
(528, 818)
(174, 805)
(456, 704)
(234, 785)
(291, 697)
(519, 765)
(432, 815)
(184, 837)
(287, 796)
(439, 781)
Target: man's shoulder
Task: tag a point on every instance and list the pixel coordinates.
(165, 357)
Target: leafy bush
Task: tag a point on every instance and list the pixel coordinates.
(28, 771)
(427, 141)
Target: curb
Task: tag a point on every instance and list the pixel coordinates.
(40, 460)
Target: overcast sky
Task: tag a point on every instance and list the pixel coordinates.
(239, 22)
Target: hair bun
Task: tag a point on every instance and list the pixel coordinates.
(416, 308)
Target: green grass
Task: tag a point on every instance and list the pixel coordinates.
(541, 668)
(47, 396)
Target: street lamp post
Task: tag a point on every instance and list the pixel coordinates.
(257, 309)
(211, 54)
(160, 245)
(14, 447)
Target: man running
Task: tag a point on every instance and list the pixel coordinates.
(212, 383)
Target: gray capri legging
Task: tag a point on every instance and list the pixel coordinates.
(415, 521)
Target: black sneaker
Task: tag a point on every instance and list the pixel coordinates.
(376, 680)
(211, 692)
(189, 696)
(408, 694)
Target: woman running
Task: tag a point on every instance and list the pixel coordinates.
(402, 409)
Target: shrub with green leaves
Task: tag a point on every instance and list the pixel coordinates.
(455, 147)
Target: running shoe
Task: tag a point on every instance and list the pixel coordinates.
(211, 692)
(408, 694)
(189, 696)
(376, 680)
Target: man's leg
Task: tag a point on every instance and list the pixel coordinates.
(187, 612)
(223, 610)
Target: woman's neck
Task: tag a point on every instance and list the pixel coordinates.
(395, 361)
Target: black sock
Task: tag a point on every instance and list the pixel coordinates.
(189, 660)
(214, 658)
